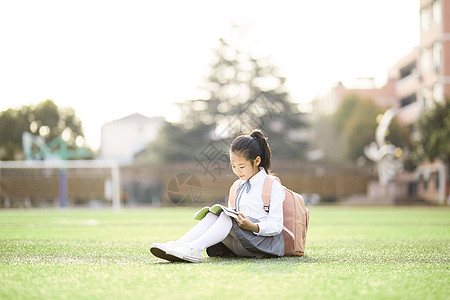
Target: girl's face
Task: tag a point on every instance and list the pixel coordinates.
(243, 167)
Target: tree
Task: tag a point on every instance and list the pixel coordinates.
(434, 133)
(248, 91)
(45, 120)
(433, 138)
(13, 122)
(359, 130)
(350, 128)
(245, 93)
(327, 142)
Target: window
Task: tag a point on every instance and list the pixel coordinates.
(425, 60)
(425, 96)
(407, 70)
(412, 189)
(424, 20)
(438, 92)
(437, 54)
(437, 183)
(436, 11)
(408, 100)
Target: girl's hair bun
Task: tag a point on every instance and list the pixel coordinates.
(253, 145)
(257, 134)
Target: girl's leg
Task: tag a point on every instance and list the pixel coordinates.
(165, 251)
(232, 243)
(215, 234)
(200, 228)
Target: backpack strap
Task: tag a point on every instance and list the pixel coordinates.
(267, 189)
(232, 194)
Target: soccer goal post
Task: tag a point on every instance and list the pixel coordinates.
(60, 182)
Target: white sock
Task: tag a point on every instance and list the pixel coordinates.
(200, 228)
(215, 234)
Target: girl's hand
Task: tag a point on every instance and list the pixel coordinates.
(245, 223)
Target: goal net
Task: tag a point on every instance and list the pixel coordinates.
(49, 183)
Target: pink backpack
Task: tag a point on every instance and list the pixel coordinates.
(295, 215)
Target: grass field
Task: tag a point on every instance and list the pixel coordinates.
(352, 253)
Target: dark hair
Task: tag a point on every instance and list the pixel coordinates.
(251, 146)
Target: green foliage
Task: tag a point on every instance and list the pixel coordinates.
(13, 122)
(351, 253)
(46, 114)
(343, 136)
(347, 110)
(352, 127)
(399, 135)
(45, 119)
(327, 140)
(434, 130)
(360, 125)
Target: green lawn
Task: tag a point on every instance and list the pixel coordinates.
(352, 253)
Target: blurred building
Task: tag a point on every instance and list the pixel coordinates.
(434, 59)
(433, 86)
(415, 83)
(424, 74)
(384, 97)
(423, 78)
(407, 76)
(122, 138)
(417, 80)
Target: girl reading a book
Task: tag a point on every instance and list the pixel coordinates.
(253, 232)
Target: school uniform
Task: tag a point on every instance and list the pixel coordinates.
(268, 242)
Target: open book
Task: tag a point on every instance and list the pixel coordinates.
(215, 209)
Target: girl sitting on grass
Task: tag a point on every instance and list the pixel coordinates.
(254, 233)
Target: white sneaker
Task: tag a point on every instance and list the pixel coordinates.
(186, 253)
(166, 246)
(160, 250)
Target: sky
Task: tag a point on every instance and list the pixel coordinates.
(111, 58)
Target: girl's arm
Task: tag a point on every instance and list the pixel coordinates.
(245, 223)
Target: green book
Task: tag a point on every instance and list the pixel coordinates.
(215, 209)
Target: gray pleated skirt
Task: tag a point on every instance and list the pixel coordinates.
(253, 245)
